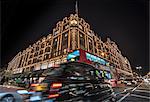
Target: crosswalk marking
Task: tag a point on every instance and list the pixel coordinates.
(129, 93)
(143, 91)
(135, 95)
(123, 97)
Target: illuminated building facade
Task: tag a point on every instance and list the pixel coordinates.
(72, 33)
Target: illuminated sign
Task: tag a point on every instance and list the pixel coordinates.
(73, 55)
(95, 59)
(44, 66)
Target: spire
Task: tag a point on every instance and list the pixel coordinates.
(76, 7)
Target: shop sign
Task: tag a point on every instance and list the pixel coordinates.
(18, 70)
(44, 66)
(104, 68)
(37, 67)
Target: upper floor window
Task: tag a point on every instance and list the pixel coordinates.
(41, 52)
(32, 51)
(82, 40)
(37, 48)
(48, 43)
(46, 56)
(47, 49)
(42, 45)
(36, 54)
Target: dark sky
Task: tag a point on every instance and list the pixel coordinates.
(124, 21)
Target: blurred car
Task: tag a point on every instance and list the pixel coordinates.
(10, 97)
(134, 82)
(72, 81)
(113, 82)
(128, 82)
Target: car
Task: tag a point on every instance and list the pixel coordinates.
(72, 81)
(113, 82)
(130, 82)
(10, 97)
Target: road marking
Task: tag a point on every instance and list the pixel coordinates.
(128, 93)
(143, 91)
(136, 87)
(127, 89)
(123, 97)
(140, 96)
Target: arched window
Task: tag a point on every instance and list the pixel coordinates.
(36, 54)
(47, 49)
(46, 56)
(29, 62)
(41, 52)
(42, 45)
(37, 48)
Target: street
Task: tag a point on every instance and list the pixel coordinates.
(141, 93)
(7, 88)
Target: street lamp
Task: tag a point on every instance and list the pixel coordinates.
(139, 68)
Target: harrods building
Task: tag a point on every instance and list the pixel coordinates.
(71, 34)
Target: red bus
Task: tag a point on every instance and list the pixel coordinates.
(86, 57)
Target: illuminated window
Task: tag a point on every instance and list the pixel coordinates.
(48, 43)
(42, 45)
(64, 43)
(29, 62)
(90, 45)
(35, 54)
(35, 60)
(82, 41)
(31, 56)
(41, 52)
(54, 47)
(47, 49)
(46, 56)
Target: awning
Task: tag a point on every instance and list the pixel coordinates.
(16, 75)
(26, 74)
(36, 73)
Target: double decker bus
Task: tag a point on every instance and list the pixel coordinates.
(102, 66)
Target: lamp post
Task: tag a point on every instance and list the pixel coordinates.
(139, 68)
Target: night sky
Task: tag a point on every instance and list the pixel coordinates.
(124, 21)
